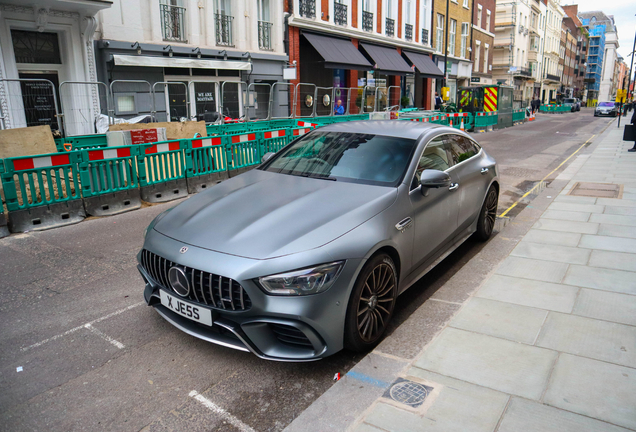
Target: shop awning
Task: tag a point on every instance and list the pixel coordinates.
(387, 60)
(149, 61)
(338, 53)
(425, 66)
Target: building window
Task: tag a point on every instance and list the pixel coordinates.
(173, 21)
(477, 53)
(451, 36)
(439, 37)
(126, 104)
(479, 13)
(264, 25)
(486, 49)
(340, 12)
(224, 20)
(488, 19)
(36, 47)
(464, 41)
(466, 4)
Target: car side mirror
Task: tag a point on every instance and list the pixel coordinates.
(434, 179)
(267, 156)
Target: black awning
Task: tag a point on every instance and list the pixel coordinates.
(424, 65)
(338, 53)
(387, 60)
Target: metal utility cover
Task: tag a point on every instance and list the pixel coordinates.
(407, 392)
(597, 190)
(388, 60)
(424, 65)
(338, 53)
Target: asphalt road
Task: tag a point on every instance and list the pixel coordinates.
(79, 350)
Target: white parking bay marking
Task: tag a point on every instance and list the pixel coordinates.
(105, 336)
(221, 412)
(83, 326)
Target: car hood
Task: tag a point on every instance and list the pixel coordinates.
(263, 215)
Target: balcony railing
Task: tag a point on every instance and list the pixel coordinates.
(173, 23)
(552, 77)
(340, 13)
(390, 27)
(408, 32)
(265, 35)
(307, 8)
(223, 25)
(367, 21)
(425, 36)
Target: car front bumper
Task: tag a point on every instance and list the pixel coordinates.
(283, 328)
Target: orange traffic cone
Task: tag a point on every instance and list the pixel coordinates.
(451, 123)
(461, 126)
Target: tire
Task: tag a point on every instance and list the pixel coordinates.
(371, 304)
(487, 215)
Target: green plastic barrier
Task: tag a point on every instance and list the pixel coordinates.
(273, 140)
(206, 163)
(242, 153)
(42, 191)
(4, 230)
(161, 167)
(109, 180)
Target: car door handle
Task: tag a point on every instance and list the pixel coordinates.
(484, 170)
(453, 186)
(403, 224)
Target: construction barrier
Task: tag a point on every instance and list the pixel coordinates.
(485, 121)
(273, 141)
(518, 116)
(455, 120)
(109, 181)
(161, 168)
(4, 230)
(42, 192)
(243, 153)
(205, 163)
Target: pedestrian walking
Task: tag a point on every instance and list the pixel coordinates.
(633, 128)
(438, 101)
(339, 109)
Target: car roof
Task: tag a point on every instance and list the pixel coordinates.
(394, 128)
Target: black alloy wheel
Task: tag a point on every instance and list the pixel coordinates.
(487, 215)
(371, 305)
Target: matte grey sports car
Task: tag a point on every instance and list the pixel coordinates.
(307, 253)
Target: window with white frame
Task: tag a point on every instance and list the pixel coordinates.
(426, 20)
(439, 36)
(479, 13)
(487, 19)
(466, 4)
(464, 41)
(408, 9)
(452, 30)
(486, 49)
(477, 55)
(389, 8)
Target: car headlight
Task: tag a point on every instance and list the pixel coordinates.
(155, 221)
(306, 281)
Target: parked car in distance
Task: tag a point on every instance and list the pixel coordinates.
(307, 253)
(572, 103)
(606, 109)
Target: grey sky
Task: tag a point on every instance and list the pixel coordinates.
(623, 11)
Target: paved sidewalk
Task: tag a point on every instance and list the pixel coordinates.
(546, 343)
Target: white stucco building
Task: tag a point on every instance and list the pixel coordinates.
(551, 78)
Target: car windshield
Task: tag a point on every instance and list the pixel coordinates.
(569, 101)
(606, 104)
(352, 157)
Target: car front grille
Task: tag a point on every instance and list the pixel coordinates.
(290, 335)
(205, 288)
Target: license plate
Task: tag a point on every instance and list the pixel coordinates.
(186, 309)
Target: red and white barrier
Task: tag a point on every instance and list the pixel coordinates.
(94, 155)
(299, 132)
(207, 142)
(243, 138)
(41, 162)
(160, 148)
(275, 134)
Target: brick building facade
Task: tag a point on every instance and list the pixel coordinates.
(572, 22)
(483, 36)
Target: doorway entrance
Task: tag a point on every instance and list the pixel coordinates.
(39, 98)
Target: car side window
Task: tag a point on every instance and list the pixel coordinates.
(434, 157)
(461, 148)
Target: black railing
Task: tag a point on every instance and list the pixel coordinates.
(523, 71)
(390, 27)
(367, 21)
(553, 77)
(340, 13)
(408, 32)
(307, 8)
(425, 36)
(173, 23)
(224, 29)
(265, 35)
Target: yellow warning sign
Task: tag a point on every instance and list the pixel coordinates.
(621, 95)
(490, 99)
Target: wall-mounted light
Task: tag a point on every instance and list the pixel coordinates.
(249, 56)
(224, 54)
(169, 48)
(198, 51)
(136, 44)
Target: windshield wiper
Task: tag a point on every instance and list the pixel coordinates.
(322, 177)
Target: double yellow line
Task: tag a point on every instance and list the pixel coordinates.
(543, 179)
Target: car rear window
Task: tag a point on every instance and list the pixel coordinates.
(353, 157)
(606, 104)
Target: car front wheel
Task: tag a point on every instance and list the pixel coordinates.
(487, 215)
(371, 304)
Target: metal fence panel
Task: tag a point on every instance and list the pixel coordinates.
(233, 99)
(131, 98)
(257, 103)
(324, 102)
(30, 102)
(178, 105)
(83, 105)
(281, 101)
(305, 100)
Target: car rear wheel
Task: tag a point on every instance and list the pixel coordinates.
(371, 304)
(487, 215)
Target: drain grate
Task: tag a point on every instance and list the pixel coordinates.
(597, 190)
(408, 392)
